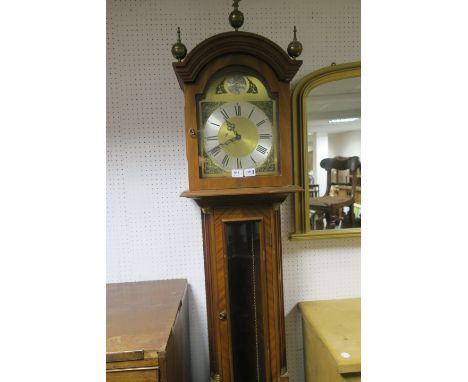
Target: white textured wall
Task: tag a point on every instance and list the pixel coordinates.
(345, 144)
(152, 233)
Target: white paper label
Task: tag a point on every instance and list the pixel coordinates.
(237, 173)
(249, 172)
(345, 355)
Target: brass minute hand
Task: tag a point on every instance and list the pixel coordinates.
(233, 139)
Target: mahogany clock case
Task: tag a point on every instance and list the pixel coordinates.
(241, 215)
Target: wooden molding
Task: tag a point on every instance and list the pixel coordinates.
(241, 196)
(227, 43)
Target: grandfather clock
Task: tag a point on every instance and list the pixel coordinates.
(238, 146)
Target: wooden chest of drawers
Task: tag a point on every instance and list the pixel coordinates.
(147, 332)
(332, 340)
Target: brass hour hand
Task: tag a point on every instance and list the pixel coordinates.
(233, 139)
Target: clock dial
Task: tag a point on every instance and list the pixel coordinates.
(237, 120)
(238, 135)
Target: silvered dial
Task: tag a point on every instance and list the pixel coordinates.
(238, 135)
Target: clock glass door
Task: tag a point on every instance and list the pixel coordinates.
(237, 123)
(243, 249)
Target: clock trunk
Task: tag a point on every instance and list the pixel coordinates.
(244, 294)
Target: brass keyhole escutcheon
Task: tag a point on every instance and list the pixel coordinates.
(222, 315)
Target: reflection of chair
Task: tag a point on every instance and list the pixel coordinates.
(331, 205)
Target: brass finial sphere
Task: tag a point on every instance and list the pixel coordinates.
(179, 51)
(236, 17)
(294, 47)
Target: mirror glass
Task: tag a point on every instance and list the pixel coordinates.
(334, 132)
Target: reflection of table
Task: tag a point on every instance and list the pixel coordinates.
(340, 196)
(329, 208)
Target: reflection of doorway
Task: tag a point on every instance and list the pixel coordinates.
(314, 188)
(321, 144)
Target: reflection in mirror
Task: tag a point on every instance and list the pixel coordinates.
(326, 116)
(334, 151)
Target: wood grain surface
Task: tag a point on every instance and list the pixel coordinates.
(332, 339)
(148, 332)
(140, 315)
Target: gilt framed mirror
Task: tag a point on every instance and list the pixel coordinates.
(327, 153)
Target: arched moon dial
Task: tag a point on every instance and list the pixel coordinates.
(236, 84)
(238, 135)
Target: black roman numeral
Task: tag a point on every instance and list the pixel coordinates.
(237, 108)
(225, 114)
(253, 109)
(215, 150)
(253, 160)
(212, 138)
(215, 124)
(261, 149)
(225, 160)
(261, 122)
(239, 163)
(264, 136)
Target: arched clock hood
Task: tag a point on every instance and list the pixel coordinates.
(229, 43)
